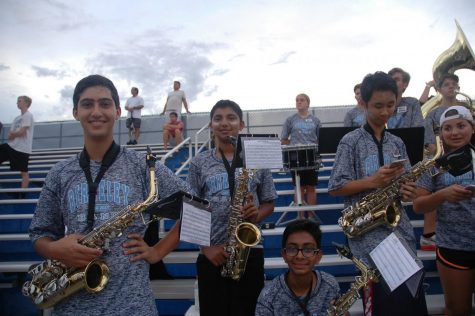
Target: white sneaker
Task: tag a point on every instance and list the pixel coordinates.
(427, 244)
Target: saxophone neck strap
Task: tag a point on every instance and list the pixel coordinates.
(85, 164)
(230, 169)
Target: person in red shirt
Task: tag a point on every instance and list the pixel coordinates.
(173, 128)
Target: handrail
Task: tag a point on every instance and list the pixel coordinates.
(175, 149)
(196, 139)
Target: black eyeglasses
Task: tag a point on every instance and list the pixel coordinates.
(306, 252)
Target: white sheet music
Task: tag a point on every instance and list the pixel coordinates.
(394, 261)
(195, 225)
(263, 154)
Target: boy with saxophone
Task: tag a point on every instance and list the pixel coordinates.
(362, 165)
(211, 176)
(85, 192)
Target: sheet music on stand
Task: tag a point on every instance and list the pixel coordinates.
(260, 151)
(195, 226)
(397, 263)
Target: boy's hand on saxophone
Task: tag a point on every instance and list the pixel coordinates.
(250, 212)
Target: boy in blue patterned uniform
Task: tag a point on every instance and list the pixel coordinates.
(61, 215)
(208, 178)
(361, 166)
(302, 290)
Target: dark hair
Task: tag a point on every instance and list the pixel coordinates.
(176, 81)
(173, 113)
(356, 87)
(94, 81)
(445, 77)
(222, 104)
(303, 225)
(406, 77)
(379, 81)
(136, 89)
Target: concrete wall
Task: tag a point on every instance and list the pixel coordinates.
(69, 133)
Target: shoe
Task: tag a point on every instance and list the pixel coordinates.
(129, 142)
(134, 142)
(427, 244)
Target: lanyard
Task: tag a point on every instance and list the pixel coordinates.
(85, 163)
(303, 304)
(230, 169)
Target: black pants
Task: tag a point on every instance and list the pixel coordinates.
(223, 296)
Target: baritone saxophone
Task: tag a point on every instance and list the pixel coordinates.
(52, 281)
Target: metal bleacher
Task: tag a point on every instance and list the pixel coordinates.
(176, 296)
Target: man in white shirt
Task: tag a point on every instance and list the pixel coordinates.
(175, 100)
(20, 141)
(134, 106)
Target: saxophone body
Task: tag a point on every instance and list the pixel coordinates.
(241, 235)
(52, 281)
(344, 302)
(382, 206)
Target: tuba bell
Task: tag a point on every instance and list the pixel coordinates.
(458, 56)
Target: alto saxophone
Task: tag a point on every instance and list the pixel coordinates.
(381, 207)
(53, 281)
(344, 302)
(241, 235)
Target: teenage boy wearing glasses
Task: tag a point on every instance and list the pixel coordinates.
(301, 290)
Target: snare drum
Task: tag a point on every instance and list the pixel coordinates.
(300, 157)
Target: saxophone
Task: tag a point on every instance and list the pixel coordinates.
(381, 207)
(241, 235)
(52, 281)
(344, 302)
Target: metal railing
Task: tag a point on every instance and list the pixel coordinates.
(207, 142)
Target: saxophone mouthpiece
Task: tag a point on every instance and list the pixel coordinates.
(343, 250)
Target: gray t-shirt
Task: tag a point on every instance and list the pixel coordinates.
(301, 130)
(276, 298)
(357, 158)
(455, 221)
(209, 180)
(63, 206)
(355, 117)
(407, 114)
(432, 122)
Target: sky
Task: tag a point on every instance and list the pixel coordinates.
(258, 53)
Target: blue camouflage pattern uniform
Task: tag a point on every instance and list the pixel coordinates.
(407, 114)
(455, 221)
(357, 158)
(355, 117)
(62, 209)
(209, 180)
(276, 298)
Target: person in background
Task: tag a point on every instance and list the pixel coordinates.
(452, 199)
(302, 128)
(356, 116)
(18, 148)
(408, 110)
(134, 106)
(174, 129)
(175, 100)
(302, 290)
(425, 93)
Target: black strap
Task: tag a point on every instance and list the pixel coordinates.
(378, 143)
(85, 163)
(230, 169)
(303, 304)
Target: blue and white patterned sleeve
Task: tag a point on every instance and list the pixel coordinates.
(286, 129)
(343, 170)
